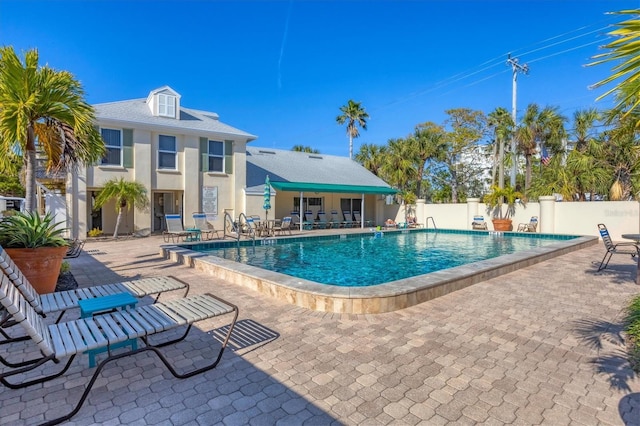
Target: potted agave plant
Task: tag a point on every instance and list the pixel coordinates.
(36, 246)
(495, 201)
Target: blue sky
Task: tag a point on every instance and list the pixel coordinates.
(282, 69)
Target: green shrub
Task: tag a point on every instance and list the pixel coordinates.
(632, 329)
(65, 267)
(29, 230)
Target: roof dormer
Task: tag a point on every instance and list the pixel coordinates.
(164, 102)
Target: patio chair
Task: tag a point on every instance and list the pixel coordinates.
(532, 226)
(357, 220)
(174, 228)
(75, 248)
(61, 301)
(285, 226)
(479, 223)
(308, 222)
(619, 248)
(207, 230)
(57, 342)
(322, 222)
(348, 219)
(336, 222)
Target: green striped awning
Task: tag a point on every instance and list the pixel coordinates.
(328, 187)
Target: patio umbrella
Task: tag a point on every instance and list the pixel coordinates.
(267, 197)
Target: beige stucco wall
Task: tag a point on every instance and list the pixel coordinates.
(184, 184)
(573, 218)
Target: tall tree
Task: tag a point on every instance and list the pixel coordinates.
(125, 194)
(372, 157)
(428, 142)
(502, 124)
(540, 130)
(465, 127)
(43, 108)
(355, 116)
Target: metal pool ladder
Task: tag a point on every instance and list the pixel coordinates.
(432, 221)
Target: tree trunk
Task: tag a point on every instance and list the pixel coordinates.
(527, 175)
(501, 165)
(30, 173)
(118, 220)
(495, 161)
(350, 147)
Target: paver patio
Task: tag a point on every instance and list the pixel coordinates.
(537, 346)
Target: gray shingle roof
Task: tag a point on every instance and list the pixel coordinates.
(292, 166)
(137, 112)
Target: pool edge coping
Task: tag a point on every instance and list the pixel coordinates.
(386, 297)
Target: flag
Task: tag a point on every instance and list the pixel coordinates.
(545, 158)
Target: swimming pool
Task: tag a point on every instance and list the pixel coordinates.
(385, 297)
(376, 258)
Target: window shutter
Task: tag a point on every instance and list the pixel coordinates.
(204, 154)
(127, 148)
(228, 157)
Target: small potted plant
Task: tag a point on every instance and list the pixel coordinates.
(501, 217)
(36, 246)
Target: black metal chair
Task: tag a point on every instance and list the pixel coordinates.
(631, 249)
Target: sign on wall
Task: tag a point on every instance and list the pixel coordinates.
(210, 200)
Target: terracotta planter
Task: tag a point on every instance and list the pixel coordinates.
(502, 224)
(41, 266)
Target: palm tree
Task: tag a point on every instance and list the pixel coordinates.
(624, 54)
(428, 142)
(43, 108)
(544, 128)
(371, 157)
(502, 124)
(354, 115)
(125, 194)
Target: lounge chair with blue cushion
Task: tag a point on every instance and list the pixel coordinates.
(308, 222)
(284, 226)
(175, 230)
(335, 221)
(479, 223)
(207, 230)
(631, 249)
(63, 341)
(532, 226)
(322, 223)
(348, 219)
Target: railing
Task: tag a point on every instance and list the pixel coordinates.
(432, 221)
(230, 228)
(249, 231)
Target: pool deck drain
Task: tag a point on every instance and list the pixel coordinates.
(375, 299)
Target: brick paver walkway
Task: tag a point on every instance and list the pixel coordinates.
(538, 346)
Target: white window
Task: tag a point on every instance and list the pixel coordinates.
(216, 156)
(166, 105)
(167, 152)
(113, 143)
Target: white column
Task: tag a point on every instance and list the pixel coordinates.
(547, 214)
(421, 214)
(472, 210)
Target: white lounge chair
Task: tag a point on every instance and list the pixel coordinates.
(207, 230)
(532, 226)
(61, 301)
(175, 230)
(66, 340)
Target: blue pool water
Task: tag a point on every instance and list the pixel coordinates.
(364, 259)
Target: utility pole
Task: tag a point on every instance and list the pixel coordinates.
(516, 67)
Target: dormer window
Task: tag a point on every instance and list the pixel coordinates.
(166, 105)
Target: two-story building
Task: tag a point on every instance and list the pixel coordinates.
(190, 161)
